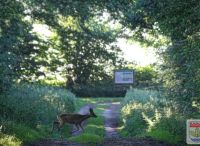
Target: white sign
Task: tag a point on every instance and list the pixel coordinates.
(124, 77)
(193, 132)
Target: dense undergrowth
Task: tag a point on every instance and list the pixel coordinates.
(27, 112)
(151, 113)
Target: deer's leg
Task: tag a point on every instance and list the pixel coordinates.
(81, 126)
(77, 128)
(54, 125)
(61, 124)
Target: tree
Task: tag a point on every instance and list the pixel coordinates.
(178, 20)
(82, 40)
(16, 43)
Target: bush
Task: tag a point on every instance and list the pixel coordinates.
(35, 104)
(8, 140)
(138, 110)
(171, 129)
(23, 132)
(98, 91)
(28, 110)
(150, 113)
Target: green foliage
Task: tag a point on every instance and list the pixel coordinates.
(177, 22)
(8, 140)
(34, 104)
(84, 42)
(160, 134)
(79, 38)
(29, 110)
(98, 91)
(18, 134)
(89, 50)
(22, 132)
(151, 113)
(183, 80)
(170, 129)
(144, 76)
(139, 106)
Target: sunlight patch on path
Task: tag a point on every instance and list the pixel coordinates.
(111, 115)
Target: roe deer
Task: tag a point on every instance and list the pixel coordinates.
(75, 119)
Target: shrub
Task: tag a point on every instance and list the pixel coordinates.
(138, 110)
(35, 104)
(8, 140)
(150, 113)
(98, 91)
(170, 129)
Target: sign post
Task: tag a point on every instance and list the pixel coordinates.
(124, 78)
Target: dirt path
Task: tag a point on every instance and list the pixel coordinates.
(111, 115)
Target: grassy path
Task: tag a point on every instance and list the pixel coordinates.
(100, 131)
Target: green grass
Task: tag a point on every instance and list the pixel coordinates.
(160, 134)
(90, 100)
(16, 134)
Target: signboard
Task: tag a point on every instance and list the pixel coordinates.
(193, 131)
(124, 76)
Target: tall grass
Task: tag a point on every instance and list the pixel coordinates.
(150, 113)
(34, 104)
(27, 111)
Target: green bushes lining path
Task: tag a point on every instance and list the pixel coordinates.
(34, 104)
(28, 110)
(149, 113)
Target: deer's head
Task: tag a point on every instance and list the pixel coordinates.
(92, 114)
